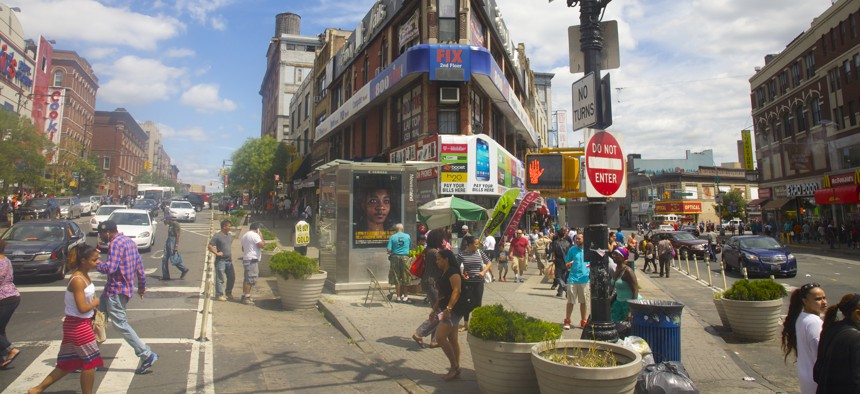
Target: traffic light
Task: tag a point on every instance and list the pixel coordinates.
(552, 171)
(571, 173)
(666, 195)
(147, 165)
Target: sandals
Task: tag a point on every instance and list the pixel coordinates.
(418, 341)
(452, 374)
(8, 360)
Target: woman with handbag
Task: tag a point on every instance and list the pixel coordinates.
(9, 300)
(435, 239)
(79, 349)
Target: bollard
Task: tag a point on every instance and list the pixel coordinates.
(697, 266)
(687, 259)
(745, 273)
(708, 268)
(723, 273)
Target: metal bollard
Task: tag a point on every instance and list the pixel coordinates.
(745, 273)
(697, 266)
(687, 259)
(723, 273)
(708, 268)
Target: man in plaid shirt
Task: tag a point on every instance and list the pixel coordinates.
(122, 265)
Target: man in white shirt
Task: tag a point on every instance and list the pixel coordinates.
(252, 241)
(490, 250)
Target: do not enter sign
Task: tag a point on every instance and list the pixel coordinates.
(605, 165)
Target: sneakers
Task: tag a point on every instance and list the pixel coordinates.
(567, 324)
(230, 296)
(184, 273)
(582, 323)
(405, 300)
(247, 300)
(220, 298)
(146, 364)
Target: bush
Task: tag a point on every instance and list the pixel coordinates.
(755, 290)
(494, 323)
(270, 246)
(239, 213)
(293, 264)
(268, 235)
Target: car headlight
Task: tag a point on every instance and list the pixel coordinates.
(42, 257)
(699, 247)
(750, 257)
(791, 256)
(144, 234)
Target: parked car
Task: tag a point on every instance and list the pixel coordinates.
(182, 210)
(94, 201)
(39, 208)
(760, 254)
(690, 229)
(102, 214)
(147, 204)
(70, 207)
(665, 227)
(38, 248)
(684, 242)
(86, 206)
(135, 224)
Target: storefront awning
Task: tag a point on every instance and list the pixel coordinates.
(838, 195)
(777, 203)
(757, 202)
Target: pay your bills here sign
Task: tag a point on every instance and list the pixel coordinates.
(604, 165)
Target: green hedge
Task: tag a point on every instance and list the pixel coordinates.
(755, 290)
(494, 323)
(290, 264)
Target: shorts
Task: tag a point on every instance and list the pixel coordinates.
(503, 264)
(398, 272)
(577, 291)
(252, 271)
(454, 321)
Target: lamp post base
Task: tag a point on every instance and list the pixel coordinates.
(600, 331)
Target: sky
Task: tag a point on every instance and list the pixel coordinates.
(195, 67)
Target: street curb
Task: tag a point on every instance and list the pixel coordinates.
(735, 358)
(351, 332)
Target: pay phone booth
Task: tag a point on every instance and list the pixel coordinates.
(359, 204)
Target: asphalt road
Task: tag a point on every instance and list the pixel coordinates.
(167, 319)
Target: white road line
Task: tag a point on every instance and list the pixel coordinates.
(37, 370)
(179, 289)
(198, 347)
(110, 341)
(120, 373)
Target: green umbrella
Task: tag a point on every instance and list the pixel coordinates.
(446, 211)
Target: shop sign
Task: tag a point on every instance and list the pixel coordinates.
(764, 193)
(802, 189)
(12, 68)
(408, 30)
(427, 173)
(678, 207)
(421, 150)
(477, 36)
(841, 179)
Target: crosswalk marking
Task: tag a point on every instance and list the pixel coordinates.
(37, 370)
(120, 372)
(179, 289)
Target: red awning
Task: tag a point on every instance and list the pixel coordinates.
(543, 210)
(838, 195)
(757, 202)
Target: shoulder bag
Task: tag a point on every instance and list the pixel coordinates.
(99, 321)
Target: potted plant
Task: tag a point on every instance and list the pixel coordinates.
(266, 253)
(754, 307)
(501, 342)
(300, 281)
(721, 310)
(575, 365)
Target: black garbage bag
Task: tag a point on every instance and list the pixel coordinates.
(624, 329)
(663, 378)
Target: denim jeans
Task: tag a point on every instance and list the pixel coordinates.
(6, 311)
(114, 308)
(224, 268)
(169, 251)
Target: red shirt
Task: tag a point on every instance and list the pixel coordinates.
(519, 245)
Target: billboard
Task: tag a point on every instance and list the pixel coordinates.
(476, 164)
(377, 205)
(748, 150)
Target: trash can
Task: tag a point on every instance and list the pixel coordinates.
(658, 323)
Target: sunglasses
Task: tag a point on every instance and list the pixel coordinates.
(808, 286)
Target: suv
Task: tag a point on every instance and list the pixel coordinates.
(39, 208)
(195, 199)
(683, 241)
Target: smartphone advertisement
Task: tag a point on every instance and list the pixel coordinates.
(477, 165)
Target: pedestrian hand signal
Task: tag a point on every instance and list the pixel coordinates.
(552, 172)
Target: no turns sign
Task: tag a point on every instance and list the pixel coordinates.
(604, 165)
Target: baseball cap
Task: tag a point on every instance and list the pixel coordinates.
(107, 226)
(465, 227)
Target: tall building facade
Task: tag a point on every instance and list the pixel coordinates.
(73, 80)
(157, 159)
(17, 65)
(289, 60)
(805, 102)
(120, 145)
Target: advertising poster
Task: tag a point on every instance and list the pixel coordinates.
(377, 206)
(477, 165)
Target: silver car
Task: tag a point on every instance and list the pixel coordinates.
(70, 207)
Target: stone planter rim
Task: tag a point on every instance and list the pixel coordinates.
(539, 347)
(763, 303)
(472, 336)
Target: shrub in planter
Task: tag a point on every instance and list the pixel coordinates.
(270, 246)
(572, 365)
(501, 343)
(300, 281)
(290, 264)
(755, 290)
(721, 310)
(268, 235)
(754, 308)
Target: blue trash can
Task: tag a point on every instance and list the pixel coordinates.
(658, 323)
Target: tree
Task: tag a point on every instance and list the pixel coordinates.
(90, 175)
(734, 205)
(253, 166)
(21, 152)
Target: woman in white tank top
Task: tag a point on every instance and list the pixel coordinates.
(79, 349)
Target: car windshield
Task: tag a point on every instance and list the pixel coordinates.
(35, 232)
(41, 203)
(130, 218)
(181, 204)
(64, 201)
(760, 243)
(684, 236)
(104, 211)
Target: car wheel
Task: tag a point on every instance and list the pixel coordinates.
(62, 273)
(726, 265)
(792, 275)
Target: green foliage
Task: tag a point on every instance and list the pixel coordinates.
(253, 166)
(494, 323)
(239, 213)
(268, 235)
(755, 290)
(735, 199)
(89, 174)
(235, 220)
(270, 246)
(590, 357)
(21, 147)
(289, 264)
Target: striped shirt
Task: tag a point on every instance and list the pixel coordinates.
(473, 264)
(122, 264)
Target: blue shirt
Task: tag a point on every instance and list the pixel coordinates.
(579, 273)
(619, 237)
(399, 243)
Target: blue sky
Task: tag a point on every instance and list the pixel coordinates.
(195, 66)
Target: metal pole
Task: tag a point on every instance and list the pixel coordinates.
(723, 273)
(708, 268)
(696, 263)
(600, 325)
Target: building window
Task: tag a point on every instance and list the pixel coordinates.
(771, 89)
(774, 129)
(846, 65)
(291, 47)
(366, 68)
(800, 113)
(810, 65)
(852, 116)
(816, 111)
(299, 75)
(106, 163)
(853, 21)
(449, 121)
(841, 32)
(407, 112)
(477, 110)
(834, 80)
(824, 44)
(447, 20)
(58, 78)
(795, 73)
(837, 117)
(832, 40)
(783, 82)
(759, 97)
(786, 125)
(383, 53)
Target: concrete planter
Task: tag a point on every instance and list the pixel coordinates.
(503, 367)
(301, 294)
(555, 377)
(721, 310)
(265, 256)
(754, 320)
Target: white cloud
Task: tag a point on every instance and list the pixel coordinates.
(97, 53)
(218, 23)
(179, 52)
(135, 80)
(93, 22)
(205, 98)
(200, 11)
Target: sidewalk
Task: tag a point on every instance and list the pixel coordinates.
(384, 334)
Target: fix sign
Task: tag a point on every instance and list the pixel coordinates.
(604, 165)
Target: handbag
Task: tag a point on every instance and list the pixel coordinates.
(176, 259)
(99, 321)
(417, 268)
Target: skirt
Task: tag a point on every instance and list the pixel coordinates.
(79, 349)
